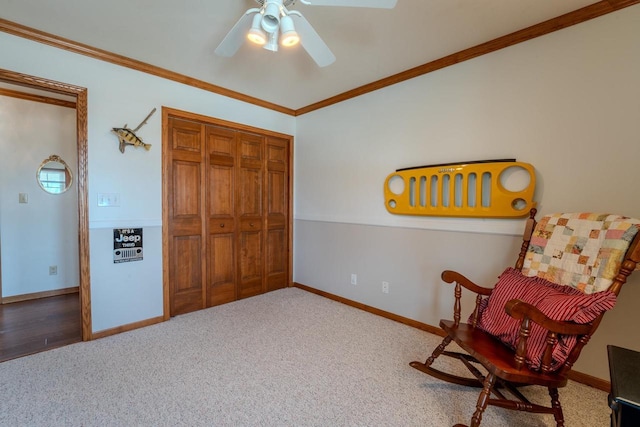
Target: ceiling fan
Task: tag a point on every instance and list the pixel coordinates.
(273, 24)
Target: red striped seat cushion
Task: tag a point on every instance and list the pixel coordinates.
(555, 301)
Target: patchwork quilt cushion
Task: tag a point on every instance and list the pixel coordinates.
(556, 301)
(581, 250)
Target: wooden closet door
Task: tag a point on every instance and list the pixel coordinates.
(221, 212)
(277, 237)
(250, 202)
(226, 212)
(186, 225)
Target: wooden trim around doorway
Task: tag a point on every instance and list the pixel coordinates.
(80, 93)
(37, 98)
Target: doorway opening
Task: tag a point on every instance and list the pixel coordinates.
(79, 304)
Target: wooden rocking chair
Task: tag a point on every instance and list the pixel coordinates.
(529, 330)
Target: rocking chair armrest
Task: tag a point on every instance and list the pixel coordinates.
(461, 281)
(521, 310)
(453, 276)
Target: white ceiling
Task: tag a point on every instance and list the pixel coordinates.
(369, 44)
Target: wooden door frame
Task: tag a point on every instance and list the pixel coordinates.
(185, 115)
(80, 93)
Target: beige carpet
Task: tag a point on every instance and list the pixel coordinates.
(286, 358)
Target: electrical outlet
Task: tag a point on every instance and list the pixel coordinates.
(354, 279)
(53, 270)
(385, 287)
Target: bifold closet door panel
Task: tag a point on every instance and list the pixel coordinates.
(186, 202)
(221, 214)
(277, 208)
(250, 210)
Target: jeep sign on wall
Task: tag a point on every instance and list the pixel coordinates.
(127, 244)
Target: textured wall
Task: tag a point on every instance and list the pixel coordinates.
(566, 103)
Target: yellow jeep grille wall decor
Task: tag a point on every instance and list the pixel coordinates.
(486, 188)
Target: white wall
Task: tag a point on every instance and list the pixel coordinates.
(128, 292)
(44, 231)
(568, 103)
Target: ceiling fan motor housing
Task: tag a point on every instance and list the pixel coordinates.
(285, 3)
(271, 15)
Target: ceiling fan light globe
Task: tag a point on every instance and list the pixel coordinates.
(289, 35)
(257, 36)
(289, 39)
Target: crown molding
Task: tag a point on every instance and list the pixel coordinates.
(103, 55)
(563, 21)
(578, 16)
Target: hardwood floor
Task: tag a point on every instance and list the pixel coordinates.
(29, 327)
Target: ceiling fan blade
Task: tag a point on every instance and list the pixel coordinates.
(381, 4)
(234, 38)
(312, 42)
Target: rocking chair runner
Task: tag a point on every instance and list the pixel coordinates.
(535, 338)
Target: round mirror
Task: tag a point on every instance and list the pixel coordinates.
(54, 175)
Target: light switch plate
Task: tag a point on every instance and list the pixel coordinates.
(108, 199)
(23, 198)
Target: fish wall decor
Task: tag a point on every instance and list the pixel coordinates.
(127, 136)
